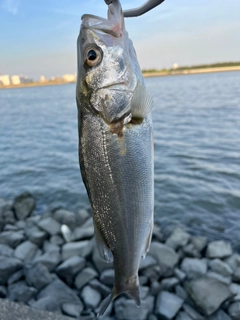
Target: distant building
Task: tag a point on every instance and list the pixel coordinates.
(15, 80)
(43, 79)
(69, 77)
(5, 80)
(175, 66)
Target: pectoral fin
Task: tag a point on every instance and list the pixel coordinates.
(104, 251)
(141, 103)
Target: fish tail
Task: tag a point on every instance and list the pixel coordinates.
(131, 288)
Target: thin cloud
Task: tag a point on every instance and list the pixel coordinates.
(11, 6)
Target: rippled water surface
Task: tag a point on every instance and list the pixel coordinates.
(197, 150)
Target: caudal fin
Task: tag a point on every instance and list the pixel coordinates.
(131, 288)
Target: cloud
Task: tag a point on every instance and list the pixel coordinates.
(11, 6)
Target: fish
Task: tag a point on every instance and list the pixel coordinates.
(115, 146)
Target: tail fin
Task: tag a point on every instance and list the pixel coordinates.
(131, 288)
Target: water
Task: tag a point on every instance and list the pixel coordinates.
(197, 150)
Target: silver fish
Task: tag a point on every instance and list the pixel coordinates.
(115, 146)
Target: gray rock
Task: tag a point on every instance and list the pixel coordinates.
(99, 264)
(157, 233)
(166, 257)
(8, 266)
(236, 275)
(180, 274)
(24, 205)
(50, 259)
(215, 291)
(17, 276)
(50, 247)
(169, 283)
(12, 238)
(57, 240)
(85, 231)
(152, 317)
(219, 249)
(70, 267)
(80, 248)
(37, 275)
(143, 280)
(50, 225)
(72, 309)
(87, 315)
(82, 215)
(191, 251)
(104, 290)
(84, 277)
(155, 288)
(194, 268)
(20, 292)
(48, 303)
(219, 277)
(26, 251)
(21, 224)
(181, 292)
(34, 234)
(183, 316)
(148, 262)
(6, 250)
(107, 277)
(144, 292)
(65, 217)
(178, 238)
(168, 305)
(235, 289)
(127, 309)
(199, 242)
(234, 310)
(221, 267)
(219, 315)
(3, 292)
(6, 214)
(193, 314)
(10, 227)
(90, 297)
(233, 261)
(152, 273)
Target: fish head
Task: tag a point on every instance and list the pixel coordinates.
(108, 70)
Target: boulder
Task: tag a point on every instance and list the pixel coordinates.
(169, 283)
(34, 234)
(168, 305)
(80, 248)
(181, 292)
(107, 277)
(183, 316)
(219, 315)
(6, 214)
(72, 309)
(6, 250)
(166, 257)
(236, 275)
(84, 277)
(17, 276)
(3, 292)
(179, 238)
(50, 226)
(192, 312)
(70, 267)
(24, 205)
(85, 231)
(191, 251)
(12, 238)
(104, 290)
(148, 262)
(220, 267)
(90, 297)
(65, 217)
(219, 249)
(235, 289)
(8, 266)
(26, 251)
(193, 267)
(199, 242)
(57, 240)
(37, 275)
(219, 277)
(153, 273)
(50, 259)
(82, 215)
(233, 261)
(20, 292)
(234, 310)
(208, 293)
(127, 309)
(180, 274)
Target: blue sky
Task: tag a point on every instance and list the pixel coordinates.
(39, 37)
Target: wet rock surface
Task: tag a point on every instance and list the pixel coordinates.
(183, 277)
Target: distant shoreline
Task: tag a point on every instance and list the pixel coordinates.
(145, 75)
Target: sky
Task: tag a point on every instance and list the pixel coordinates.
(39, 37)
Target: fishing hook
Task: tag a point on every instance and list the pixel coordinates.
(147, 6)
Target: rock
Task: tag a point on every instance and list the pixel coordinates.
(6, 214)
(65, 217)
(84, 277)
(152, 273)
(236, 275)
(99, 264)
(193, 314)
(178, 238)
(34, 234)
(199, 242)
(148, 262)
(107, 277)
(156, 234)
(104, 290)
(70, 267)
(194, 268)
(235, 289)
(17, 276)
(3, 292)
(234, 310)
(219, 315)
(166, 257)
(37, 275)
(219, 249)
(12, 238)
(127, 309)
(72, 309)
(181, 292)
(50, 259)
(221, 267)
(56, 240)
(155, 288)
(85, 231)
(143, 280)
(219, 277)
(80, 248)
(90, 297)
(191, 251)
(169, 283)
(183, 316)
(168, 305)
(20, 292)
(144, 292)
(215, 291)
(24, 205)
(6, 250)
(233, 261)
(46, 303)
(10, 227)
(152, 317)
(180, 274)
(50, 225)
(8, 266)
(50, 247)
(26, 251)
(82, 215)
(21, 225)
(87, 315)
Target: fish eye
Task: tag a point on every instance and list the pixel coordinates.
(92, 56)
